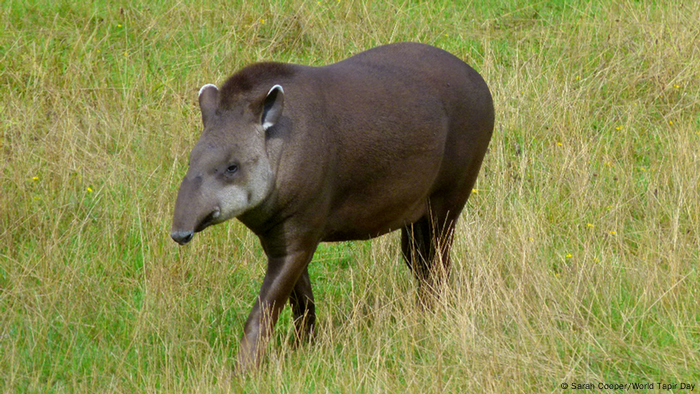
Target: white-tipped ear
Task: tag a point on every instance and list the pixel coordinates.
(206, 86)
(208, 101)
(275, 87)
(272, 108)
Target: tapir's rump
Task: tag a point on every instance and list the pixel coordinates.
(391, 138)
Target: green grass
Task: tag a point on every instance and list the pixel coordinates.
(575, 261)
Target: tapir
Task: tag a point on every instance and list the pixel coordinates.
(389, 139)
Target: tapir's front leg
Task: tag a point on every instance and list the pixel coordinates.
(303, 308)
(282, 274)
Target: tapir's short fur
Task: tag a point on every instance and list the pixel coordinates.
(391, 138)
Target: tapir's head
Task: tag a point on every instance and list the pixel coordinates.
(229, 171)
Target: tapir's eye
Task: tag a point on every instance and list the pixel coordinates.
(232, 169)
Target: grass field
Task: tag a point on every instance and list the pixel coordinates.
(576, 260)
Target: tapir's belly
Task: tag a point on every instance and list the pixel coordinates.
(388, 200)
(360, 218)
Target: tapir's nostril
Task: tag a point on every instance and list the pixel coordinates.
(182, 237)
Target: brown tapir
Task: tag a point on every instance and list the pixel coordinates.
(391, 138)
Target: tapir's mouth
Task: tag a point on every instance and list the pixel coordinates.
(208, 220)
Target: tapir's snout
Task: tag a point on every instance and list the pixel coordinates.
(182, 237)
(191, 214)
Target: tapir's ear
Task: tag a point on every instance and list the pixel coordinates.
(208, 101)
(272, 107)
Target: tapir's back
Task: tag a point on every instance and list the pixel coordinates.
(415, 93)
(402, 121)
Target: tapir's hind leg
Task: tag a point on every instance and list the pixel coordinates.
(418, 249)
(425, 245)
(303, 307)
